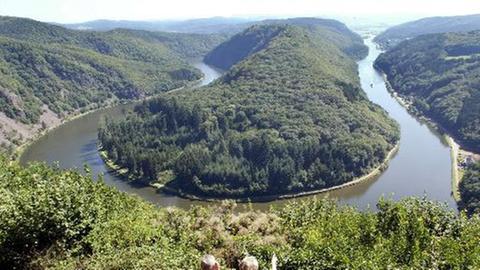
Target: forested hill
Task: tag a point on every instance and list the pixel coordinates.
(48, 72)
(116, 42)
(240, 46)
(290, 117)
(440, 74)
(331, 30)
(432, 25)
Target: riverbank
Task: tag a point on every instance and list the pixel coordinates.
(268, 198)
(123, 173)
(20, 150)
(457, 172)
(421, 166)
(457, 154)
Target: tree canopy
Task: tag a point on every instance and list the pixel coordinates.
(289, 116)
(470, 189)
(62, 220)
(45, 67)
(439, 73)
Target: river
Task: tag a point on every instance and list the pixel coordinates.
(422, 166)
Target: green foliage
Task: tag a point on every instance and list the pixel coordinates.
(412, 234)
(68, 71)
(189, 46)
(241, 46)
(257, 37)
(333, 31)
(288, 118)
(62, 220)
(440, 73)
(470, 189)
(43, 206)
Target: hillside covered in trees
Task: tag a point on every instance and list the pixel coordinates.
(432, 25)
(49, 72)
(241, 46)
(440, 75)
(288, 117)
(51, 219)
(470, 189)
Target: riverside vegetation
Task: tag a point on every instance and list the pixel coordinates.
(62, 220)
(49, 69)
(289, 116)
(439, 74)
(470, 189)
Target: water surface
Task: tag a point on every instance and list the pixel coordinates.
(422, 166)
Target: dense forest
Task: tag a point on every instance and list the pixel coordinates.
(470, 189)
(47, 68)
(432, 25)
(289, 117)
(116, 42)
(62, 220)
(332, 31)
(241, 46)
(440, 75)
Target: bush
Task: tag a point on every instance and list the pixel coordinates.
(62, 220)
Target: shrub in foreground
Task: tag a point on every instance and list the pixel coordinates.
(63, 220)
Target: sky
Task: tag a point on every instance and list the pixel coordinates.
(70, 11)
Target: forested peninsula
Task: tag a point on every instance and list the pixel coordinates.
(288, 116)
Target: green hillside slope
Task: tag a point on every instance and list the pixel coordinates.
(49, 72)
(240, 46)
(439, 73)
(470, 189)
(290, 117)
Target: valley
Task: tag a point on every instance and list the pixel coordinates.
(51, 74)
(421, 167)
(436, 78)
(287, 143)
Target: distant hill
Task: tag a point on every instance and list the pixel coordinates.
(288, 116)
(333, 31)
(109, 42)
(340, 34)
(440, 74)
(203, 26)
(396, 34)
(49, 72)
(240, 46)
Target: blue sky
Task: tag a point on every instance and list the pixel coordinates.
(67, 11)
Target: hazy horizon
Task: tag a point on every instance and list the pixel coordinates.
(74, 11)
